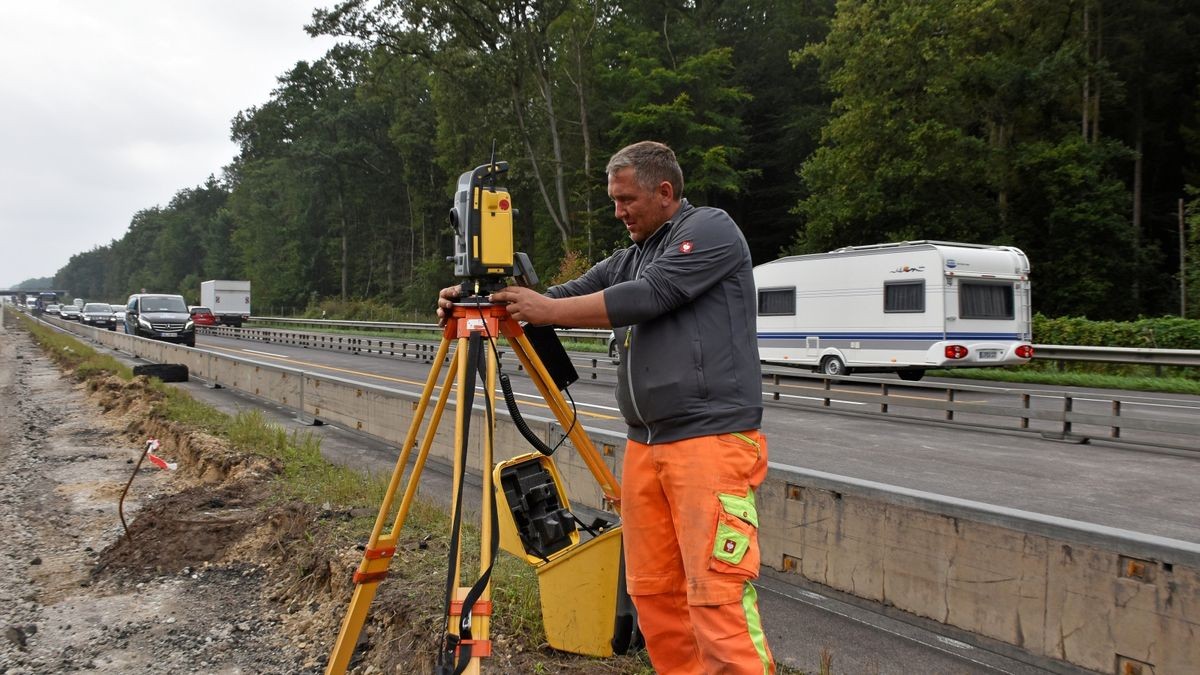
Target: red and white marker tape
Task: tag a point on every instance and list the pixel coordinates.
(151, 446)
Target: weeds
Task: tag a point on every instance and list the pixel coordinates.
(73, 354)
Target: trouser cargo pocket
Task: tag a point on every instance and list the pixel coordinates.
(735, 542)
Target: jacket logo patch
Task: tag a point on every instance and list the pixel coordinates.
(685, 247)
(730, 546)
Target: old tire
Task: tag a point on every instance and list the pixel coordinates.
(167, 372)
(834, 366)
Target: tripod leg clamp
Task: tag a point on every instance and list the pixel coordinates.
(480, 608)
(479, 648)
(374, 555)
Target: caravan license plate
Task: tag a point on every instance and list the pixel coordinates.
(989, 354)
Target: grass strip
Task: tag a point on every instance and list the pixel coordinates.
(1167, 385)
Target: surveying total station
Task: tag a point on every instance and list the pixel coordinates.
(525, 510)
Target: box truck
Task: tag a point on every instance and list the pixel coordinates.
(901, 307)
(228, 300)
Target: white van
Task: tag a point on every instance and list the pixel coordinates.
(903, 307)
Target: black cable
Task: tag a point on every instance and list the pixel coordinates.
(510, 401)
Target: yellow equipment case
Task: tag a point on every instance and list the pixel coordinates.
(585, 607)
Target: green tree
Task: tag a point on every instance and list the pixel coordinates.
(960, 121)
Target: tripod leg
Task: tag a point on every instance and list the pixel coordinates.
(563, 413)
(468, 609)
(380, 549)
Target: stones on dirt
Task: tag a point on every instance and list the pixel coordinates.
(16, 636)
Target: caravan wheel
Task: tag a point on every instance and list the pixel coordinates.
(834, 366)
(911, 375)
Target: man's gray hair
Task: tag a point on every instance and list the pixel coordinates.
(652, 163)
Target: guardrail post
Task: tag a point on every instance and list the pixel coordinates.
(883, 406)
(1025, 406)
(1116, 413)
(1068, 406)
(828, 383)
(775, 381)
(949, 406)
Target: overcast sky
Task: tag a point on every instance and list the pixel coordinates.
(109, 107)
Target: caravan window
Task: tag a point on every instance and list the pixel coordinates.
(777, 301)
(985, 300)
(904, 296)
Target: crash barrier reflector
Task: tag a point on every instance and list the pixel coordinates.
(1053, 588)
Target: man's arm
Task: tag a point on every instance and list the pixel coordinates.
(580, 311)
(702, 250)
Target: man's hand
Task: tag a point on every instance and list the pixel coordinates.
(446, 299)
(526, 304)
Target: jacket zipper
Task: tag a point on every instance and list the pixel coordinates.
(642, 260)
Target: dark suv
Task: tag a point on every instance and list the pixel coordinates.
(161, 317)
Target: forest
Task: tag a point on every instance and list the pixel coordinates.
(1067, 128)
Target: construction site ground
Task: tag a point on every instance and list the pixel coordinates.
(215, 574)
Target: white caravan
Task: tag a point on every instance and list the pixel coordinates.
(903, 307)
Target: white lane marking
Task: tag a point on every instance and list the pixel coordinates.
(580, 404)
(952, 642)
(818, 398)
(278, 356)
(1124, 402)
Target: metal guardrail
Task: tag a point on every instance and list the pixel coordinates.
(1121, 355)
(432, 328)
(1123, 418)
(1133, 355)
(1076, 417)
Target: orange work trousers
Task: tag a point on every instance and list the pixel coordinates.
(690, 531)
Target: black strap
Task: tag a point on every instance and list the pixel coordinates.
(447, 665)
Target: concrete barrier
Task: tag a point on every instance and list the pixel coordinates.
(1109, 600)
(1105, 599)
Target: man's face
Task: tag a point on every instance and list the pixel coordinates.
(643, 211)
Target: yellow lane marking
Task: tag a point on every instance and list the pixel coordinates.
(319, 366)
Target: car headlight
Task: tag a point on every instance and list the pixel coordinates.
(144, 323)
(189, 325)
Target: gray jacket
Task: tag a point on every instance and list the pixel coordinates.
(685, 305)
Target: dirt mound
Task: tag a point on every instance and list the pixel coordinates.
(189, 528)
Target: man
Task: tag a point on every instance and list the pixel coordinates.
(690, 388)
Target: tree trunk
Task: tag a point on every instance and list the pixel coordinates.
(1099, 41)
(585, 130)
(1087, 75)
(546, 86)
(345, 246)
(563, 228)
(1137, 204)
